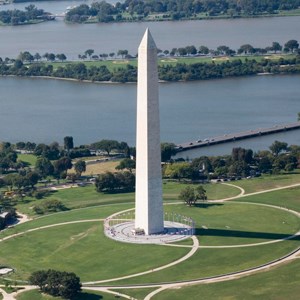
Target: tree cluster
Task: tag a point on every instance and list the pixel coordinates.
(167, 72)
(115, 182)
(17, 17)
(131, 10)
(109, 145)
(56, 283)
(190, 195)
(241, 163)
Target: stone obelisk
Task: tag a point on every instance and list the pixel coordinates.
(148, 196)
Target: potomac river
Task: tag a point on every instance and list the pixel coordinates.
(46, 110)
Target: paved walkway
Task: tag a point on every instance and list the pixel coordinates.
(176, 262)
(194, 248)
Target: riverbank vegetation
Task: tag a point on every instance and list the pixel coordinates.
(31, 15)
(152, 10)
(23, 183)
(178, 64)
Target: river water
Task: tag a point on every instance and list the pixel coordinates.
(46, 110)
(42, 110)
(74, 39)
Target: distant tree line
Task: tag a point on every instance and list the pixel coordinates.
(17, 17)
(167, 72)
(241, 163)
(136, 10)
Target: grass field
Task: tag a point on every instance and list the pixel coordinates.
(75, 247)
(276, 284)
(28, 158)
(84, 295)
(80, 197)
(115, 64)
(267, 182)
(82, 247)
(288, 198)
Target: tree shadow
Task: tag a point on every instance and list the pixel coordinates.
(207, 205)
(87, 296)
(242, 234)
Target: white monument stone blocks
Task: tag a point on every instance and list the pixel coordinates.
(148, 197)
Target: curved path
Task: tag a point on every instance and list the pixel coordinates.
(194, 247)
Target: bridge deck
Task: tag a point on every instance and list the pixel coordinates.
(237, 136)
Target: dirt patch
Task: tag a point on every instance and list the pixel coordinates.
(120, 62)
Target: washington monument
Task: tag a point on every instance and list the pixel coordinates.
(148, 196)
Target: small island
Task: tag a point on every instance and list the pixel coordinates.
(31, 15)
(188, 63)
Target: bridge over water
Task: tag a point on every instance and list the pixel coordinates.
(226, 138)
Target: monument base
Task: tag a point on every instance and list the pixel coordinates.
(126, 232)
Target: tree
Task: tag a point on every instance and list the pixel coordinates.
(278, 147)
(106, 145)
(167, 150)
(61, 57)
(122, 53)
(44, 167)
(37, 56)
(56, 283)
(203, 50)
(247, 49)
(68, 143)
(201, 193)
(89, 52)
(291, 45)
(80, 167)
(126, 163)
(190, 195)
(276, 47)
(61, 166)
(32, 178)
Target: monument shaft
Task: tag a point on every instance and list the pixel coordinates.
(148, 197)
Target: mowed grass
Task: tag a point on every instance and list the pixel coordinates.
(139, 294)
(79, 197)
(267, 182)
(208, 262)
(226, 224)
(279, 283)
(287, 198)
(89, 213)
(28, 158)
(115, 64)
(84, 295)
(83, 249)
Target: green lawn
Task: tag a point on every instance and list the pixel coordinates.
(83, 249)
(122, 63)
(227, 225)
(30, 159)
(213, 262)
(267, 182)
(80, 197)
(84, 295)
(139, 294)
(287, 198)
(276, 284)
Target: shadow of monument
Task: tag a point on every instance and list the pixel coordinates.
(242, 234)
